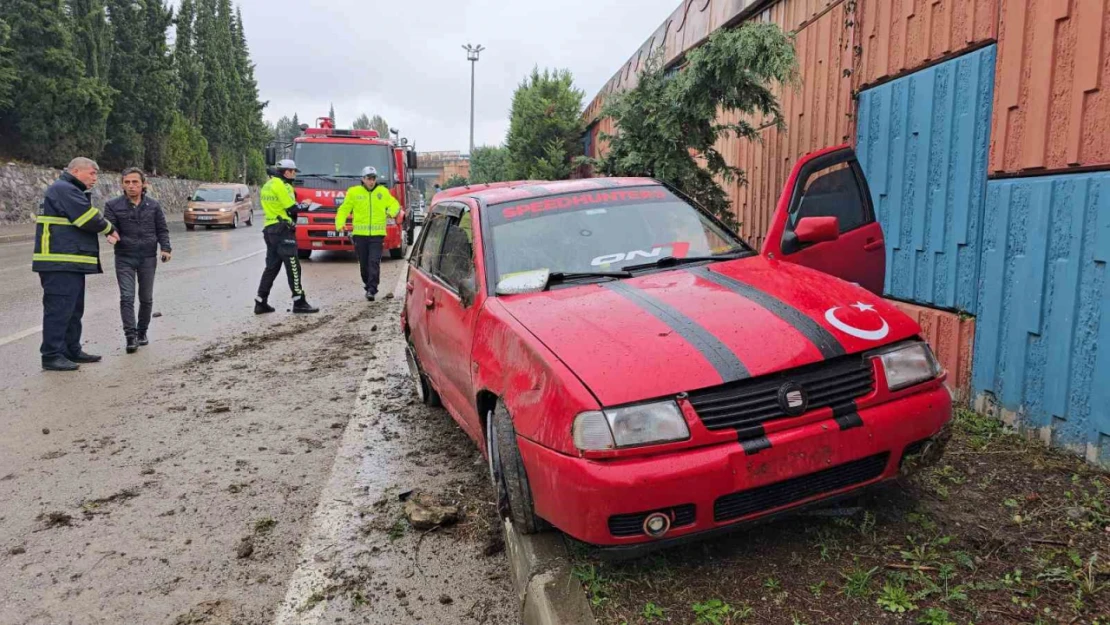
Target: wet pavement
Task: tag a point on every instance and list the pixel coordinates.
(240, 469)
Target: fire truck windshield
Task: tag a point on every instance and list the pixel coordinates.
(342, 160)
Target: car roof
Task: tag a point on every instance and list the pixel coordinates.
(221, 185)
(500, 192)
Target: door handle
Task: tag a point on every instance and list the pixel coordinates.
(873, 244)
(410, 287)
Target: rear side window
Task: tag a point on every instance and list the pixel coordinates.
(431, 244)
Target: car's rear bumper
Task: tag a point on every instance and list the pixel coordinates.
(726, 485)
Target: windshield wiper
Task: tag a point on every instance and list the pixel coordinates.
(570, 276)
(672, 261)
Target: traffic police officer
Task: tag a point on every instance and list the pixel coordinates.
(371, 203)
(280, 207)
(66, 250)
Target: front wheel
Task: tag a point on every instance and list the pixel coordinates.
(190, 227)
(510, 480)
(235, 221)
(424, 390)
(250, 219)
(304, 254)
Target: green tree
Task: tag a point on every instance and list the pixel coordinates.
(490, 164)
(92, 36)
(331, 114)
(248, 108)
(668, 126)
(186, 151)
(362, 122)
(60, 112)
(454, 181)
(8, 74)
(142, 75)
(190, 71)
(545, 127)
(379, 124)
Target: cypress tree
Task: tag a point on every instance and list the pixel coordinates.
(92, 36)
(7, 70)
(190, 72)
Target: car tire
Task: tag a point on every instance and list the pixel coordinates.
(510, 480)
(250, 219)
(425, 392)
(304, 254)
(234, 221)
(208, 227)
(190, 227)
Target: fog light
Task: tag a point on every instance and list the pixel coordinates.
(657, 524)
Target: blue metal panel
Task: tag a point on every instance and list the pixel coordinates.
(1042, 344)
(923, 141)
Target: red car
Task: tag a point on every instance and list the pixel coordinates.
(636, 373)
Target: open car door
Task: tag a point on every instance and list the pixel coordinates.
(825, 220)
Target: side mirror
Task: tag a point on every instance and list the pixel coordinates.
(412, 159)
(238, 198)
(817, 230)
(271, 156)
(468, 291)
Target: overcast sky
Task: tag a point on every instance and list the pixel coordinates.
(403, 59)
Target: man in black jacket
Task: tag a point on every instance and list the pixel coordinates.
(142, 227)
(66, 250)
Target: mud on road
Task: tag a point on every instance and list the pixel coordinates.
(194, 495)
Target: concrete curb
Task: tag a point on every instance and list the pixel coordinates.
(16, 238)
(545, 584)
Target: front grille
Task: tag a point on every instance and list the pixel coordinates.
(752, 402)
(796, 489)
(624, 525)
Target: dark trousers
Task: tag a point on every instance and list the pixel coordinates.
(369, 250)
(63, 305)
(274, 262)
(130, 270)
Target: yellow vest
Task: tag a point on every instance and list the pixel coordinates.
(276, 196)
(370, 209)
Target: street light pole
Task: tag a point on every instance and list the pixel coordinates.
(472, 53)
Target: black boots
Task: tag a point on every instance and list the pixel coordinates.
(261, 307)
(59, 363)
(370, 296)
(302, 307)
(132, 345)
(142, 338)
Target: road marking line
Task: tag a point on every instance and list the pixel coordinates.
(399, 289)
(235, 260)
(20, 335)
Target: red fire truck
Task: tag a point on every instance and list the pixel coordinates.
(331, 161)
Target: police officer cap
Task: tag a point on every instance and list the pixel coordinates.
(369, 171)
(286, 163)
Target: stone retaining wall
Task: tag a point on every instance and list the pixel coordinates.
(22, 186)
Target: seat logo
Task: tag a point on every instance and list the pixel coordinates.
(793, 399)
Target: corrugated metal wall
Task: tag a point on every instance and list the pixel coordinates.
(923, 143)
(817, 113)
(1052, 110)
(901, 35)
(1043, 342)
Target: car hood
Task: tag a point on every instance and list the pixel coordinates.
(211, 204)
(693, 328)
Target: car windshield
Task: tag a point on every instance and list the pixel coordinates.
(342, 159)
(214, 195)
(601, 231)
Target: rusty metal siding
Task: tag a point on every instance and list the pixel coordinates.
(1043, 337)
(952, 337)
(923, 141)
(817, 114)
(899, 36)
(1052, 107)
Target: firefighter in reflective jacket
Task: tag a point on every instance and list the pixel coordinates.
(66, 250)
(280, 207)
(371, 203)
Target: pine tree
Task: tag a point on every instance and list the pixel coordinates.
(214, 50)
(190, 71)
(362, 122)
(545, 127)
(160, 86)
(92, 36)
(331, 114)
(378, 123)
(60, 112)
(7, 70)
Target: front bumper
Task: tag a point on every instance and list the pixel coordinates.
(210, 219)
(320, 237)
(710, 489)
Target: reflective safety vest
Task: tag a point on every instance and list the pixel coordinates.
(370, 210)
(277, 198)
(67, 227)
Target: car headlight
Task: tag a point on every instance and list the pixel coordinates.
(224, 210)
(302, 221)
(909, 364)
(630, 426)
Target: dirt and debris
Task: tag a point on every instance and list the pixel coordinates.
(50, 520)
(424, 512)
(1002, 530)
